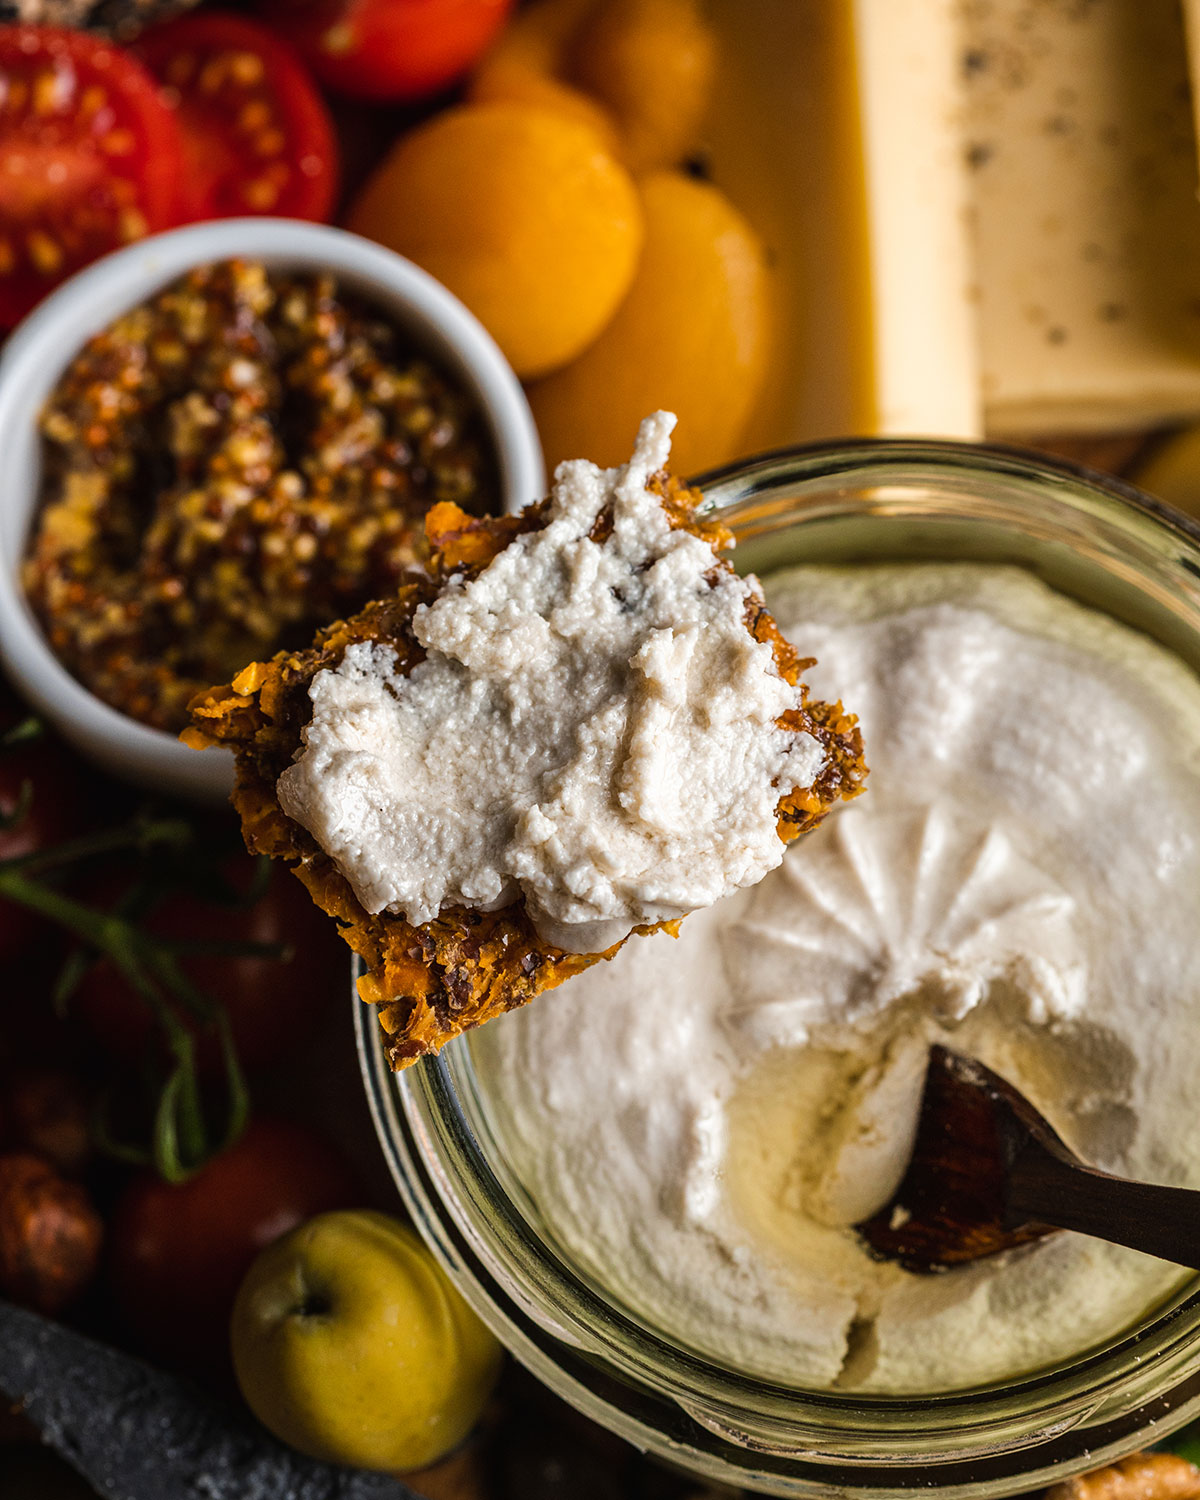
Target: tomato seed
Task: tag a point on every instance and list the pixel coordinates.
(44, 252)
(214, 73)
(49, 92)
(118, 143)
(260, 194)
(254, 115)
(132, 224)
(338, 39)
(246, 67)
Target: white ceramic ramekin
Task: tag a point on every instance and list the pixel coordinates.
(44, 344)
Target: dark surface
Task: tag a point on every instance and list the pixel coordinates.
(137, 1434)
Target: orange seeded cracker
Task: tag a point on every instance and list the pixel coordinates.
(434, 980)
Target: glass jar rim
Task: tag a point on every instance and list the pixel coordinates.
(860, 455)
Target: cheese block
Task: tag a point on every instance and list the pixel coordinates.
(1079, 136)
(982, 214)
(920, 269)
(831, 130)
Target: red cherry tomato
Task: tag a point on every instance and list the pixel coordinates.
(43, 794)
(47, 782)
(47, 1110)
(389, 49)
(89, 158)
(177, 1254)
(272, 1003)
(257, 137)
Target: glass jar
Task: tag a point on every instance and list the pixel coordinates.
(1089, 537)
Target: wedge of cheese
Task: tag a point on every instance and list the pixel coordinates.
(983, 214)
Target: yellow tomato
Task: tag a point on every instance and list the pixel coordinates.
(691, 337)
(522, 213)
(527, 63)
(651, 63)
(639, 71)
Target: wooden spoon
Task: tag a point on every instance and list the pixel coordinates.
(988, 1173)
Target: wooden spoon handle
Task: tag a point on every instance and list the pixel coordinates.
(1049, 1188)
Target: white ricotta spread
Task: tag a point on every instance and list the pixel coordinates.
(593, 727)
(701, 1120)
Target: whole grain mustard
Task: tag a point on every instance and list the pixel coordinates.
(238, 461)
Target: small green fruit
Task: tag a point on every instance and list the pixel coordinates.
(351, 1344)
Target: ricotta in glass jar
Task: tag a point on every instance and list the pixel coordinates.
(700, 1121)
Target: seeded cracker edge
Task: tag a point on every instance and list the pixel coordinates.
(434, 981)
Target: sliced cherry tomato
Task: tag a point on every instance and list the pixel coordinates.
(389, 49)
(272, 1003)
(177, 1254)
(257, 136)
(89, 158)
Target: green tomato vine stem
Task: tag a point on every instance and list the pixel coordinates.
(181, 1139)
